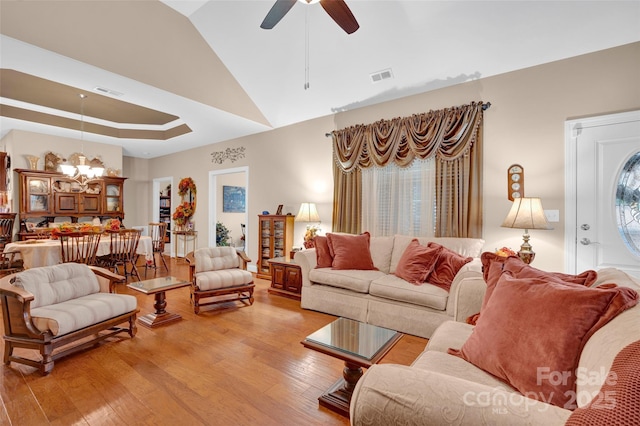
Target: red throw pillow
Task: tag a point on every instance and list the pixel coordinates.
(323, 255)
(493, 266)
(417, 262)
(350, 251)
(448, 264)
(532, 331)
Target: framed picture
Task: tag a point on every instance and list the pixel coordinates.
(279, 211)
(233, 199)
(31, 226)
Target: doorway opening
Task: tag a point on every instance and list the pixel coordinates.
(229, 206)
(162, 207)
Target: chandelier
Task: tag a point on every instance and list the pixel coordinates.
(82, 171)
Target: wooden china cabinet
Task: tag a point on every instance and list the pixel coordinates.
(47, 195)
(275, 239)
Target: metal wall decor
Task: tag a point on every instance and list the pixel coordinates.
(231, 154)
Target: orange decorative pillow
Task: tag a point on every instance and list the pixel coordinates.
(448, 264)
(493, 266)
(532, 331)
(323, 255)
(417, 262)
(350, 251)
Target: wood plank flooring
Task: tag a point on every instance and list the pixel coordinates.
(230, 366)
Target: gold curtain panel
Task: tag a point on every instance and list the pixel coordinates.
(447, 133)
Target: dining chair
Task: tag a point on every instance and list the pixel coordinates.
(122, 252)
(6, 231)
(79, 247)
(10, 263)
(157, 231)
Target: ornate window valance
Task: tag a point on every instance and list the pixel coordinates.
(447, 134)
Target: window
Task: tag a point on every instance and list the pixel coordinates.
(399, 200)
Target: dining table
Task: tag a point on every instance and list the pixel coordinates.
(46, 252)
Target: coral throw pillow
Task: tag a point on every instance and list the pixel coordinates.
(350, 251)
(493, 266)
(532, 331)
(417, 262)
(323, 255)
(448, 264)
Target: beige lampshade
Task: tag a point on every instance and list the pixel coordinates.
(526, 213)
(308, 213)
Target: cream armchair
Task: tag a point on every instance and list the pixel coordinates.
(218, 272)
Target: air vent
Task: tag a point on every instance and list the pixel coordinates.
(381, 75)
(107, 91)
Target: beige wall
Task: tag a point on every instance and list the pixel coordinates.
(292, 165)
(524, 125)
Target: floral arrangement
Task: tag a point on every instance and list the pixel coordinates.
(112, 225)
(312, 231)
(186, 184)
(183, 213)
(68, 227)
(505, 252)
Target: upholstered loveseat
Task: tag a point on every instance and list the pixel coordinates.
(444, 387)
(379, 297)
(68, 307)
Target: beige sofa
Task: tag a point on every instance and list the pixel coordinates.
(439, 388)
(378, 297)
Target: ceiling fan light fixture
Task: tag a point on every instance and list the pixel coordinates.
(309, 1)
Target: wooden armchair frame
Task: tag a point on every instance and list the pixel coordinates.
(20, 331)
(243, 293)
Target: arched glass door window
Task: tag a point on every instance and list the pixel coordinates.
(628, 204)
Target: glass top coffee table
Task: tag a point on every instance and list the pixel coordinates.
(158, 287)
(359, 345)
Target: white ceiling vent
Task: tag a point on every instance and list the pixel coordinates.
(381, 75)
(107, 91)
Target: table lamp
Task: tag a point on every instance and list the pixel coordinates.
(526, 213)
(308, 213)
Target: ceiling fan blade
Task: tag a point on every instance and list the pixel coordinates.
(277, 12)
(341, 13)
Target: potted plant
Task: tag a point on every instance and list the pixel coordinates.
(222, 235)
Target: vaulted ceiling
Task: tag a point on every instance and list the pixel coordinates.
(165, 76)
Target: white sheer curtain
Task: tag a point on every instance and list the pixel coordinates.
(399, 200)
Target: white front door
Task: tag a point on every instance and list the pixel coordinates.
(603, 225)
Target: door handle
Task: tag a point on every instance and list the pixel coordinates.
(586, 242)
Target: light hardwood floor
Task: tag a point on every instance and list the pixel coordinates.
(231, 366)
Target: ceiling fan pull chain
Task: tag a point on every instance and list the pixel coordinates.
(306, 50)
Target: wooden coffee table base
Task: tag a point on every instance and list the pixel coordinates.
(160, 316)
(338, 397)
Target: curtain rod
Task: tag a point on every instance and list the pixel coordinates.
(484, 108)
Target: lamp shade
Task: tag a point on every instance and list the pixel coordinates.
(526, 213)
(308, 213)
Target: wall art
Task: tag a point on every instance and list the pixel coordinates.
(233, 199)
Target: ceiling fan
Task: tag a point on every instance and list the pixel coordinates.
(337, 9)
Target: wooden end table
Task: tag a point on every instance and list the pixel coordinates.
(359, 345)
(286, 277)
(158, 287)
